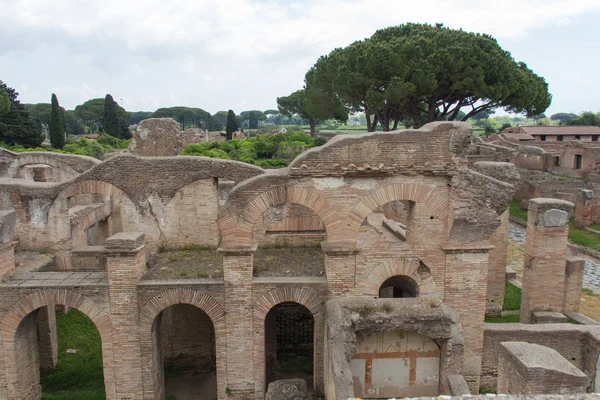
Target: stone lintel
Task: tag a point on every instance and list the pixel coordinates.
(339, 248)
(468, 248)
(129, 242)
(237, 251)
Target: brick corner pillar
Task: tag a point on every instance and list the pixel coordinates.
(126, 263)
(465, 292)
(583, 207)
(237, 277)
(545, 256)
(8, 221)
(574, 269)
(497, 268)
(340, 267)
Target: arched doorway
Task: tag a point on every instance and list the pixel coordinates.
(399, 286)
(184, 345)
(289, 343)
(59, 354)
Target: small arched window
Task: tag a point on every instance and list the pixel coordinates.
(399, 286)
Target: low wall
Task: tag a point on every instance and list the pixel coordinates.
(580, 344)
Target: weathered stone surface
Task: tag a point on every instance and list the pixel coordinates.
(555, 218)
(8, 221)
(156, 137)
(287, 389)
(125, 241)
(528, 368)
(548, 317)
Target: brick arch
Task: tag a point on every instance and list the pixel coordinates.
(153, 307)
(410, 267)
(48, 297)
(420, 194)
(239, 230)
(262, 306)
(280, 295)
(91, 187)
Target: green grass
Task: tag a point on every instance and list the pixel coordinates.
(583, 237)
(506, 319)
(512, 297)
(512, 302)
(595, 227)
(516, 211)
(76, 376)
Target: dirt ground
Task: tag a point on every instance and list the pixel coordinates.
(208, 263)
(192, 387)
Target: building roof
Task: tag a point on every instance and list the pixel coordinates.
(560, 130)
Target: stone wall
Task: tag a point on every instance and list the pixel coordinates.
(579, 344)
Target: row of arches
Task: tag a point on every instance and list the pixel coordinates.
(194, 312)
(234, 224)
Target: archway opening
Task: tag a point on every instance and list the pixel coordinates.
(289, 343)
(60, 355)
(399, 286)
(184, 353)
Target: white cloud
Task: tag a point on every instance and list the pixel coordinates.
(202, 52)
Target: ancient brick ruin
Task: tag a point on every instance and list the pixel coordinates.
(374, 257)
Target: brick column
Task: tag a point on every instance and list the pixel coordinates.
(8, 221)
(497, 267)
(47, 343)
(465, 292)
(573, 284)
(545, 256)
(340, 268)
(126, 263)
(237, 276)
(583, 208)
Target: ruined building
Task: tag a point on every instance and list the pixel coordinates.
(374, 256)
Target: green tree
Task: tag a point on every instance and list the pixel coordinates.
(57, 130)
(418, 73)
(563, 118)
(138, 116)
(221, 116)
(4, 102)
(190, 117)
(586, 118)
(17, 126)
(111, 120)
(91, 113)
(253, 117)
(231, 126)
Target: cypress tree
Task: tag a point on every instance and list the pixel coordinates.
(112, 125)
(231, 126)
(57, 131)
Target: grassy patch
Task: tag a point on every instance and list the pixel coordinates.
(583, 237)
(506, 319)
(512, 297)
(80, 375)
(516, 211)
(590, 292)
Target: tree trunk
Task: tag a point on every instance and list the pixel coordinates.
(369, 127)
(395, 124)
(311, 122)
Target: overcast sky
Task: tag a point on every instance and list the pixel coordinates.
(242, 54)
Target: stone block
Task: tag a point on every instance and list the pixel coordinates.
(287, 389)
(527, 368)
(548, 317)
(125, 241)
(510, 273)
(458, 385)
(555, 218)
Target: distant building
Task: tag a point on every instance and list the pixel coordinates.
(553, 133)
